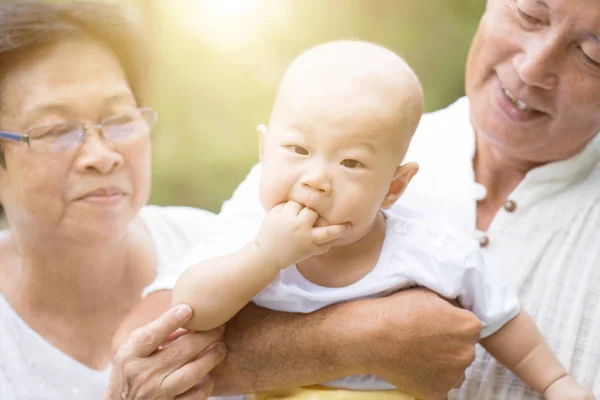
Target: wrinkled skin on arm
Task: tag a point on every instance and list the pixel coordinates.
(414, 339)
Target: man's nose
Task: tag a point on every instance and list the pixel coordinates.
(537, 65)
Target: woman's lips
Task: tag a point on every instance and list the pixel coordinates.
(103, 199)
(105, 196)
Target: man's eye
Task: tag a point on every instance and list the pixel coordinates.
(352, 164)
(528, 18)
(298, 150)
(587, 58)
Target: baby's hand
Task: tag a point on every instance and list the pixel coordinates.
(287, 235)
(566, 388)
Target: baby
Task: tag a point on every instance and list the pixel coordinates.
(332, 165)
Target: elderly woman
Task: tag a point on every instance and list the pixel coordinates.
(81, 246)
(516, 164)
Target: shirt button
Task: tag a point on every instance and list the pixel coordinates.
(510, 206)
(484, 241)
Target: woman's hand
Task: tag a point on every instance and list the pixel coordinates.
(162, 361)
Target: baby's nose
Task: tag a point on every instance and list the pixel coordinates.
(317, 182)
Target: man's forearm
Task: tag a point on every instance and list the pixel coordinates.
(270, 350)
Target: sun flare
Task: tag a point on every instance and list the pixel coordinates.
(227, 24)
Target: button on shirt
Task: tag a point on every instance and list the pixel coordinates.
(547, 248)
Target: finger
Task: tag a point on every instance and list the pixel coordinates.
(175, 335)
(199, 392)
(293, 207)
(308, 215)
(192, 373)
(277, 208)
(145, 340)
(186, 348)
(325, 234)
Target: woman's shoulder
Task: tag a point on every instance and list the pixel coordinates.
(174, 229)
(7, 258)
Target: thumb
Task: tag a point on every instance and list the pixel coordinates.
(325, 234)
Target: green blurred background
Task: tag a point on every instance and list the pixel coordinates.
(218, 62)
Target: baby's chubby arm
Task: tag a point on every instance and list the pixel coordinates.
(218, 288)
(519, 346)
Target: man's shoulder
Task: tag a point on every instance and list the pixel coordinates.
(426, 232)
(453, 113)
(440, 126)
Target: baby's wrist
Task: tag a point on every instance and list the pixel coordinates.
(263, 256)
(561, 380)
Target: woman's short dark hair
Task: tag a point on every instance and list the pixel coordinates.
(26, 25)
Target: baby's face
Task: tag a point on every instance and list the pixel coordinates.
(338, 160)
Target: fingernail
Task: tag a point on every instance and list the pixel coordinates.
(183, 311)
(222, 349)
(202, 380)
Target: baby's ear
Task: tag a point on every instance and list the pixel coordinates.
(402, 178)
(261, 131)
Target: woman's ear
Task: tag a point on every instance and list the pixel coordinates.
(261, 131)
(402, 178)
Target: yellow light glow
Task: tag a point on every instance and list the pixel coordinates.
(228, 24)
(227, 8)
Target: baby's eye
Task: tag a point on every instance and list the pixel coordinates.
(352, 164)
(298, 150)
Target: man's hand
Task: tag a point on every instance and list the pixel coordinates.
(415, 340)
(288, 236)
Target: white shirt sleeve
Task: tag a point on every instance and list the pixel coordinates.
(167, 276)
(174, 231)
(185, 236)
(484, 294)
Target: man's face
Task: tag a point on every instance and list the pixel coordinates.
(533, 77)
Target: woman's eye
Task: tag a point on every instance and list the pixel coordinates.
(299, 150)
(351, 164)
(528, 18)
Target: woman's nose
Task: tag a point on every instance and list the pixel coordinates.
(97, 155)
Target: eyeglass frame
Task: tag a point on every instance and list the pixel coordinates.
(24, 137)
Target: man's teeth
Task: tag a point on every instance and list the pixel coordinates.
(521, 106)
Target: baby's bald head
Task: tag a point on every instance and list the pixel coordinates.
(353, 84)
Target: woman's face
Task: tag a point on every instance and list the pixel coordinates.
(90, 192)
(533, 77)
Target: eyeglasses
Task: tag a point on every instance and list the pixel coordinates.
(119, 128)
